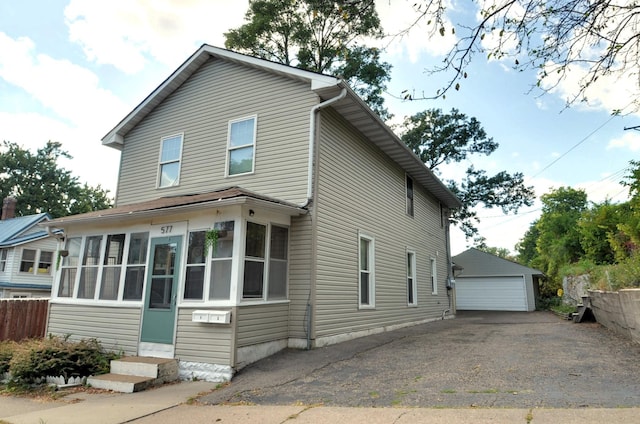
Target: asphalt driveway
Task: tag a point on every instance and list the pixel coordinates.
(483, 359)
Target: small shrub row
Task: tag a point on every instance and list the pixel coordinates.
(30, 361)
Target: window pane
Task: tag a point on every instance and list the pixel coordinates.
(46, 260)
(279, 239)
(364, 288)
(87, 285)
(253, 279)
(194, 282)
(160, 297)
(110, 283)
(220, 280)
(3, 259)
(115, 248)
(164, 259)
(133, 282)
(195, 252)
(73, 250)
(256, 235)
(171, 149)
(277, 279)
(67, 282)
(241, 160)
(169, 174)
(28, 260)
(225, 239)
(410, 289)
(241, 133)
(92, 251)
(138, 248)
(364, 254)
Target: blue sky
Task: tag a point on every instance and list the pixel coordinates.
(70, 70)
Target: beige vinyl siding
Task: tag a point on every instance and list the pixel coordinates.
(262, 323)
(299, 274)
(361, 189)
(200, 342)
(201, 109)
(117, 329)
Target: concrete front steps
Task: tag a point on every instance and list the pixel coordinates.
(135, 373)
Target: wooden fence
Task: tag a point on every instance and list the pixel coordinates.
(23, 318)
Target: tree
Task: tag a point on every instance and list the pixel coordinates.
(320, 36)
(596, 227)
(40, 185)
(558, 38)
(500, 252)
(439, 138)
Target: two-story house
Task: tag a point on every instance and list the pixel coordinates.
(27, 254)
(259, 207)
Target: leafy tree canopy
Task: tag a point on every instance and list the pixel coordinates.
(559, 39)
(439, 138)
(40, 185)
(320, 36)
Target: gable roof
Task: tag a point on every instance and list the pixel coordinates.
(352, 108)
(476, 263)
(225, 197)
(12, 231)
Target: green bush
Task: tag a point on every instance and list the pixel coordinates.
(625, 275)
(56, 356)
(6, 352)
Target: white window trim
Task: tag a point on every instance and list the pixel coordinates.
(36, 262)
(414, 276)
(160, 163)
(434, 275)
(230, 149)
(4, 255)
(372, 272)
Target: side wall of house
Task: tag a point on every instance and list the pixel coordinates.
(300, 254)
(201, 109)
(117, 328)
(206, 343)
(360, 190)
(14, 257)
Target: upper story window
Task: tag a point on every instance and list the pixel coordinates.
(35, 262)
(169, 166)
(409, 186)
(241, 146)
(3, 259)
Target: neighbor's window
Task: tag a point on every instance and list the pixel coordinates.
(221, 257)
(434, 277)
(366, 275)
(169, 167)
(112, 267)
(241, 146)
(409, 186)
(45, 261)
(412, 298)
(3, 259)
(28, 260)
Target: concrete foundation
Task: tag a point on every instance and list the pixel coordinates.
(618, 311)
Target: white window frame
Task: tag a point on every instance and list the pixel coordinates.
(412, 288)
(371, 272)
(231, 149)
(434, 275)
(3, 259)
(35, 270)
(161, 163)
(410, 200)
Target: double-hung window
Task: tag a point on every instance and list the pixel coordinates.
(170, 156)
(70, 261)
(136, 266)
(241, 146)
(194, 279)
(28, 260)
(90, 267)
(366, 272)
(409, 189)
(34, 261)
(3, 259)
(221, 259)
(434, 276)
(254, 261)
(412, 291)
(112, 267)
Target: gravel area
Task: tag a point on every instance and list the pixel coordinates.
(481, 359)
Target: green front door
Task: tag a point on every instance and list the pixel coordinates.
(159, 315)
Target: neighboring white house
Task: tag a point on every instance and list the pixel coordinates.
(326, 226)
(27, 254)
(489, 283)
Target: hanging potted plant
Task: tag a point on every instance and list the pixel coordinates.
(211, 240)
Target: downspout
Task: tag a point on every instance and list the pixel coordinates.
(313, 118)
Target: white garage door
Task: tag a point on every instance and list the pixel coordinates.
(491, 294)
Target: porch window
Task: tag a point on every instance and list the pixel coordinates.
(3, 259)
(194, 279)
(366, 274)
(411, 279)
(112, 267)
(28, 260)
(136, 265)
(254, 261)
(278, 262)
(241, 146)
(169, 166)
(90, 266)
(70, 261)
(221, 257)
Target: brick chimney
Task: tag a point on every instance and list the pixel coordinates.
(9, 207)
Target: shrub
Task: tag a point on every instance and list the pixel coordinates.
(6, 353)
(624, 275)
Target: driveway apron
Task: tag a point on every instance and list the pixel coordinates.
(482, 359)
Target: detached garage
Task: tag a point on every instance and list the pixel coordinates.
(485, 282)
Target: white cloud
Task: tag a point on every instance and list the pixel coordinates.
(629, 141)
(129, 33)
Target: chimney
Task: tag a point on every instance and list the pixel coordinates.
(9, 207)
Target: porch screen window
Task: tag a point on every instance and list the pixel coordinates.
(366, 276)
(409, 184)
(28, 260)
(254, 261)
(241, 146)
(170, 153)
(221, 256)
(278, 262)
(3, 259)
(136, 263)
(112, 262)
(70, 261)
(194, 279)
(411, 279)
(434, 276)
(89, 270)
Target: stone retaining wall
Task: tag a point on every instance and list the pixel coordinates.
(618, 311)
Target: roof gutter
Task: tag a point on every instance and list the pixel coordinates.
(313, 118)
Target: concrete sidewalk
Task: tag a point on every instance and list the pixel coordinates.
(169, 404)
